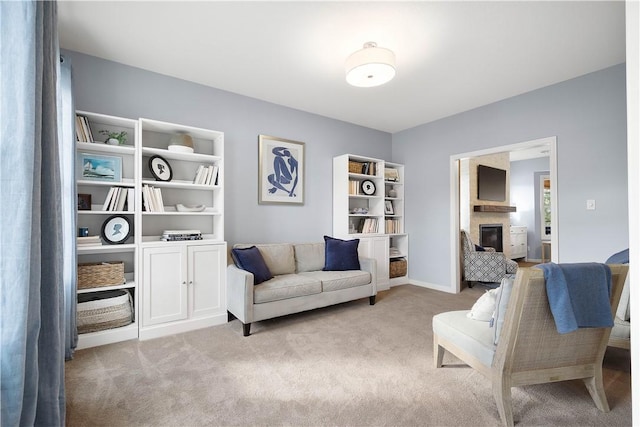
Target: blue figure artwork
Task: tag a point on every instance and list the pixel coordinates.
(285, 172)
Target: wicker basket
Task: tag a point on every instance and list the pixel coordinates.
(104, 310)
(99, 274)
(355, 167)
(397, 268)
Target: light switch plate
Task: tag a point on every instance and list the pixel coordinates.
(591, 205)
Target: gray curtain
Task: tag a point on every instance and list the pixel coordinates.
(31, 251)
(66, 137)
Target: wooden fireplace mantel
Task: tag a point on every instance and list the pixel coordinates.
(494, 208)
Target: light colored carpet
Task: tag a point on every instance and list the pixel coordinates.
(347, 365)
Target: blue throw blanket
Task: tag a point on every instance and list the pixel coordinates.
(578, 295)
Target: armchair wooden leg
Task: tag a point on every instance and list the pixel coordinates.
(596, 390)
(372, 300)
(502, 395)
(438, 353)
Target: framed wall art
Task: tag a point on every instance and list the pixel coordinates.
(96, 167)
(281, 171)
(160, 168)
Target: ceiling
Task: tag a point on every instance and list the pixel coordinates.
(450, 56)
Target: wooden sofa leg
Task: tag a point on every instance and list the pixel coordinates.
(372, 300)
(596, 390)
(246, 327)
(438, 353)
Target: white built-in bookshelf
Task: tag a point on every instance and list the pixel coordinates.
(174, 285)
(368, 203)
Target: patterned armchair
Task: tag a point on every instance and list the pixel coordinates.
(488, 266)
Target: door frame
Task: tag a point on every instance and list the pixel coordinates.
(549, 143)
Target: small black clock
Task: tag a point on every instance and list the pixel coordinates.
(368, 187)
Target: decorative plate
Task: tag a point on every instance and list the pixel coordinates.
(160, 168)
(116, 229)
(368, 187)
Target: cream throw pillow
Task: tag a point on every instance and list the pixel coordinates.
(484, 307)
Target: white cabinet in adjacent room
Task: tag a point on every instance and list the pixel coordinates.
(518, 241)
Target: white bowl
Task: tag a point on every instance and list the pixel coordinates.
(180, 149)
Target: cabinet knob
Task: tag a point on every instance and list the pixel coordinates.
(191, 282)
(184, 283)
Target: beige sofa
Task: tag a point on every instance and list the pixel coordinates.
(298, 283)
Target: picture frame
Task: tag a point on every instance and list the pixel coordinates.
(84, 202)
(160, 168)
(388, 207)
(281, 164)
(116, 230)
(97, 167)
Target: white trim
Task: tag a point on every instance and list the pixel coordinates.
(551, 144)
(433, 286)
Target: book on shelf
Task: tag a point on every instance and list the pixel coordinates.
(368, 225)
(88, 240)
(117, 198)
(392, 226)
(152, 199)
(206, 175)
(83, 130)
(180, 235)
(131, 200)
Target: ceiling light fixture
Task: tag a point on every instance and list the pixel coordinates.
(370, 66)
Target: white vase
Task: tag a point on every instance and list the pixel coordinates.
(113, 141)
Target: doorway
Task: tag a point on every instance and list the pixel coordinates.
(548, 145)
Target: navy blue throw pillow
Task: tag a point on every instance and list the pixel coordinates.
(479, 248)
(340, 255)
(250, 259)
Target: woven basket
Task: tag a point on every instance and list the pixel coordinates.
(397, 268)
(104, 310)
(98, 274)
(355, 167)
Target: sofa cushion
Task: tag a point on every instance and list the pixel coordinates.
(341, 255)
(309, 256)
(278, 257)
(473, 337)
(285, 286)
(502, 303)
(250, 259)
(336, 280)
(484, 307)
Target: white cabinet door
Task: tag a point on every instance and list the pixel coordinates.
(378, 249)
(207, 287)
(164, 285)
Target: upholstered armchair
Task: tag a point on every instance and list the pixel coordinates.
(484, 266)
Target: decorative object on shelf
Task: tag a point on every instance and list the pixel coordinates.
(368, 187)
(99, 168)
(370, 66)
(84, 202)
(388, 207)
(83, 232)
(114, 138)
(181, 143)
(281, 174)
(392, 192)
(100, 274)
(116, 229)
(180, 235)
(185, 208)
(160, 168)
(391, 174)
(360, 211)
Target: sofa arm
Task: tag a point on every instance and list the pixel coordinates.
(240, 293)
(369, 265)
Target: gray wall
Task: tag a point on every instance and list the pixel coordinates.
(588, 117)
(525, 196)
(110, 88)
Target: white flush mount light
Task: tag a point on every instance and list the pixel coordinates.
(370, 66)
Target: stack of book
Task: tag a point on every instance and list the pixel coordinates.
(83, 130)
(88, 241)
(369, 225)
(179, 235)
(206, 175)
(152, 199)
(392, 226)
(119, 199)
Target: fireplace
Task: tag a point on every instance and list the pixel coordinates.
(491, 236)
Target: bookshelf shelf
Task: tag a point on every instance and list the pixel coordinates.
(348, 223)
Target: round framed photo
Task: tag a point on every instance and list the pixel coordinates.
(368, 187)
(116, 230)
(160, 168)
